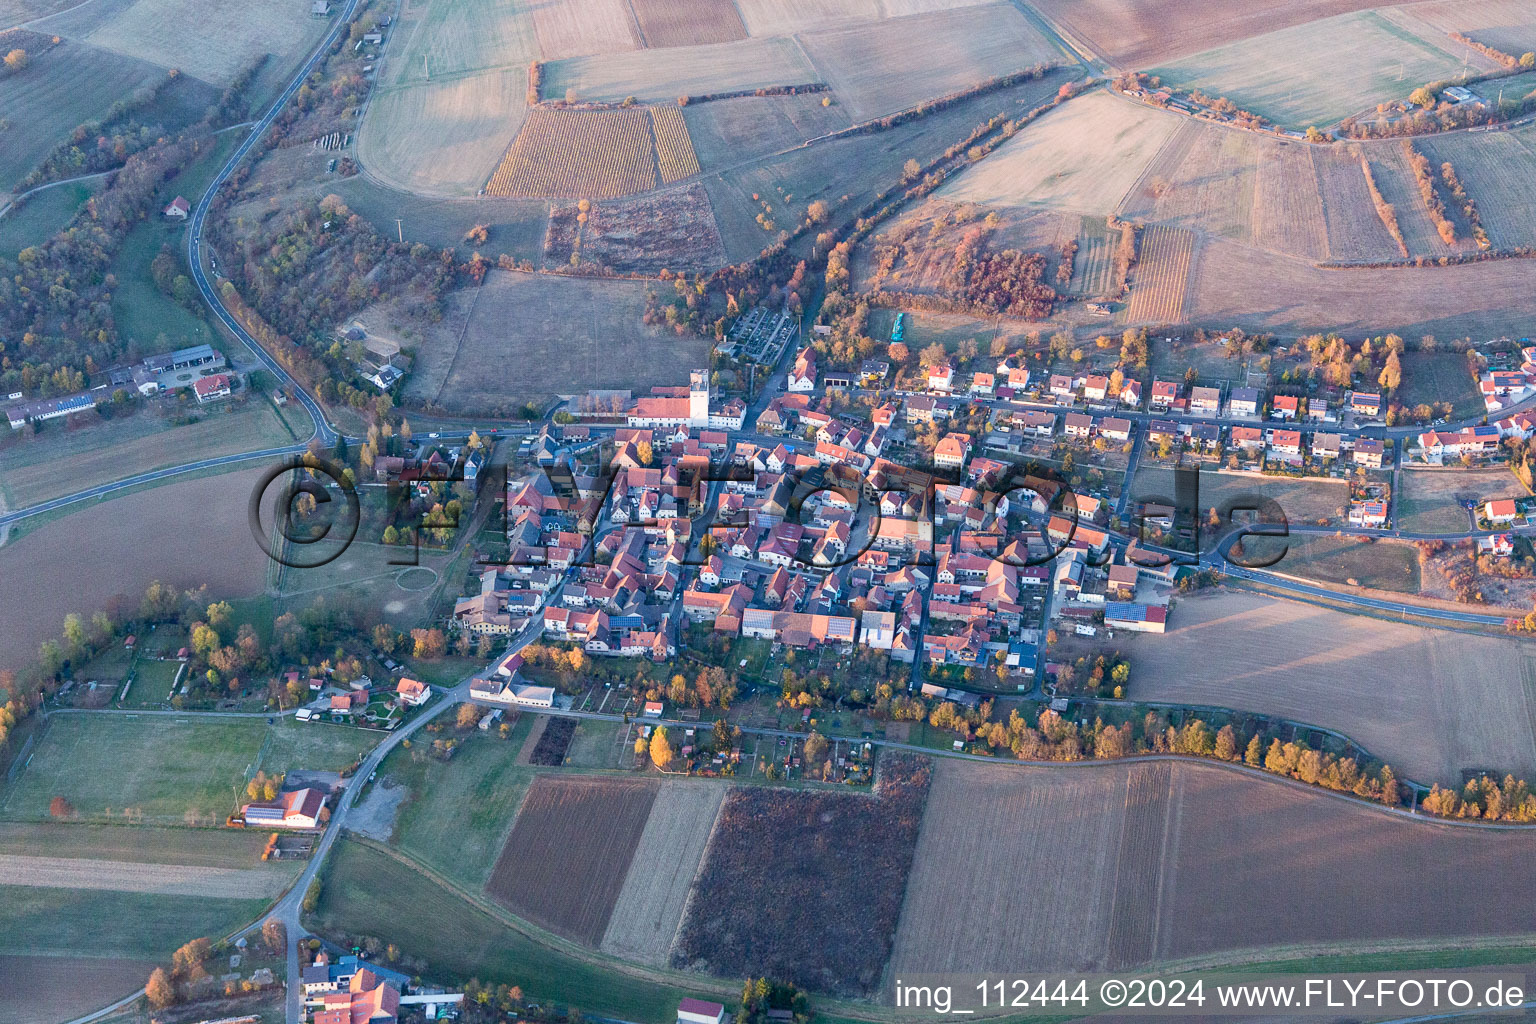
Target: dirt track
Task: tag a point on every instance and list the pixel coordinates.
(126, 876)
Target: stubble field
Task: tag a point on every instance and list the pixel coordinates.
(230, 34)
(899, 62)
(566, 859)
(1084, 157)
(661, 76)
(576, 28)
(668, 23)
(1431, 703)
(1508, 25)
(650, 905)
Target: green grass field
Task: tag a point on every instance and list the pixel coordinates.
(459, 812)
(167, 770)
(1430, 377)
(61, 460)
(43, 215)
(593, 745)
(369, 893)
(1322, 71)
(152, 681)
(199, 847)
(101, 923)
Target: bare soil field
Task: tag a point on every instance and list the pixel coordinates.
(1292, 75)
(1139, 33)
(442, 138)
(1315, 502)
(575, 28)
(651, 903)
(596, 154)
(899, 62)
(47, 989)
(1431, 500)
(135, 876)
(186, 534)
(661, 76)
(687, 22)
(1130, 864)
(990, 834)
(1239, 286)
(1085, 157)
(521, 337)
(1496, 169)
(1161, 278)
(230, 34)
(41, 105)
(749, 911)
(566, 860)
(1239, 874)
(784, 17)
(1431, 703)
(1508, 25)
(673, 230)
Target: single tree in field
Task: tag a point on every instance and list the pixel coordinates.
(159, 989)
(16, 60)
(468, 716)
(1421, 97)
(661, 749)
(59, 807)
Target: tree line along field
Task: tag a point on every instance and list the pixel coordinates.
(1294, 77)
(749, 912)
(661, 76)
(569, 851)
(1129, 865)
(1430, 703)
(1495, 168)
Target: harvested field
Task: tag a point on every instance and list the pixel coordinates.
(1138, 33)
(1161, 276)
(575, 28)
(1084, 156)
(1127, 865)
(185, 534)
(675, 158)
(1429, 702)
(687, 22)
(1238, 286)
(597, 154)
(137, 876)
(1288, 211)
(230, 34)
(784, 17)
(553, 740)
(1294, 77)
(47, 989)
(1508, 25)
(566, 859)
(1496, 169)
(521, 337)
(449, 39)
(41, 105)
(661, 76)
(650, 906)
(1431, 500)
(442, 138)
(899, 62)
(1355, 230)
(767, 842)
(1310, 501)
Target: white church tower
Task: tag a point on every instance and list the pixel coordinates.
(698, 398)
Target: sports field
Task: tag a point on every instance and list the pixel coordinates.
(1431, 703)
(1084, 157)
(661, 76)
(899, 62)
(230, 34)
(1294, 75)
